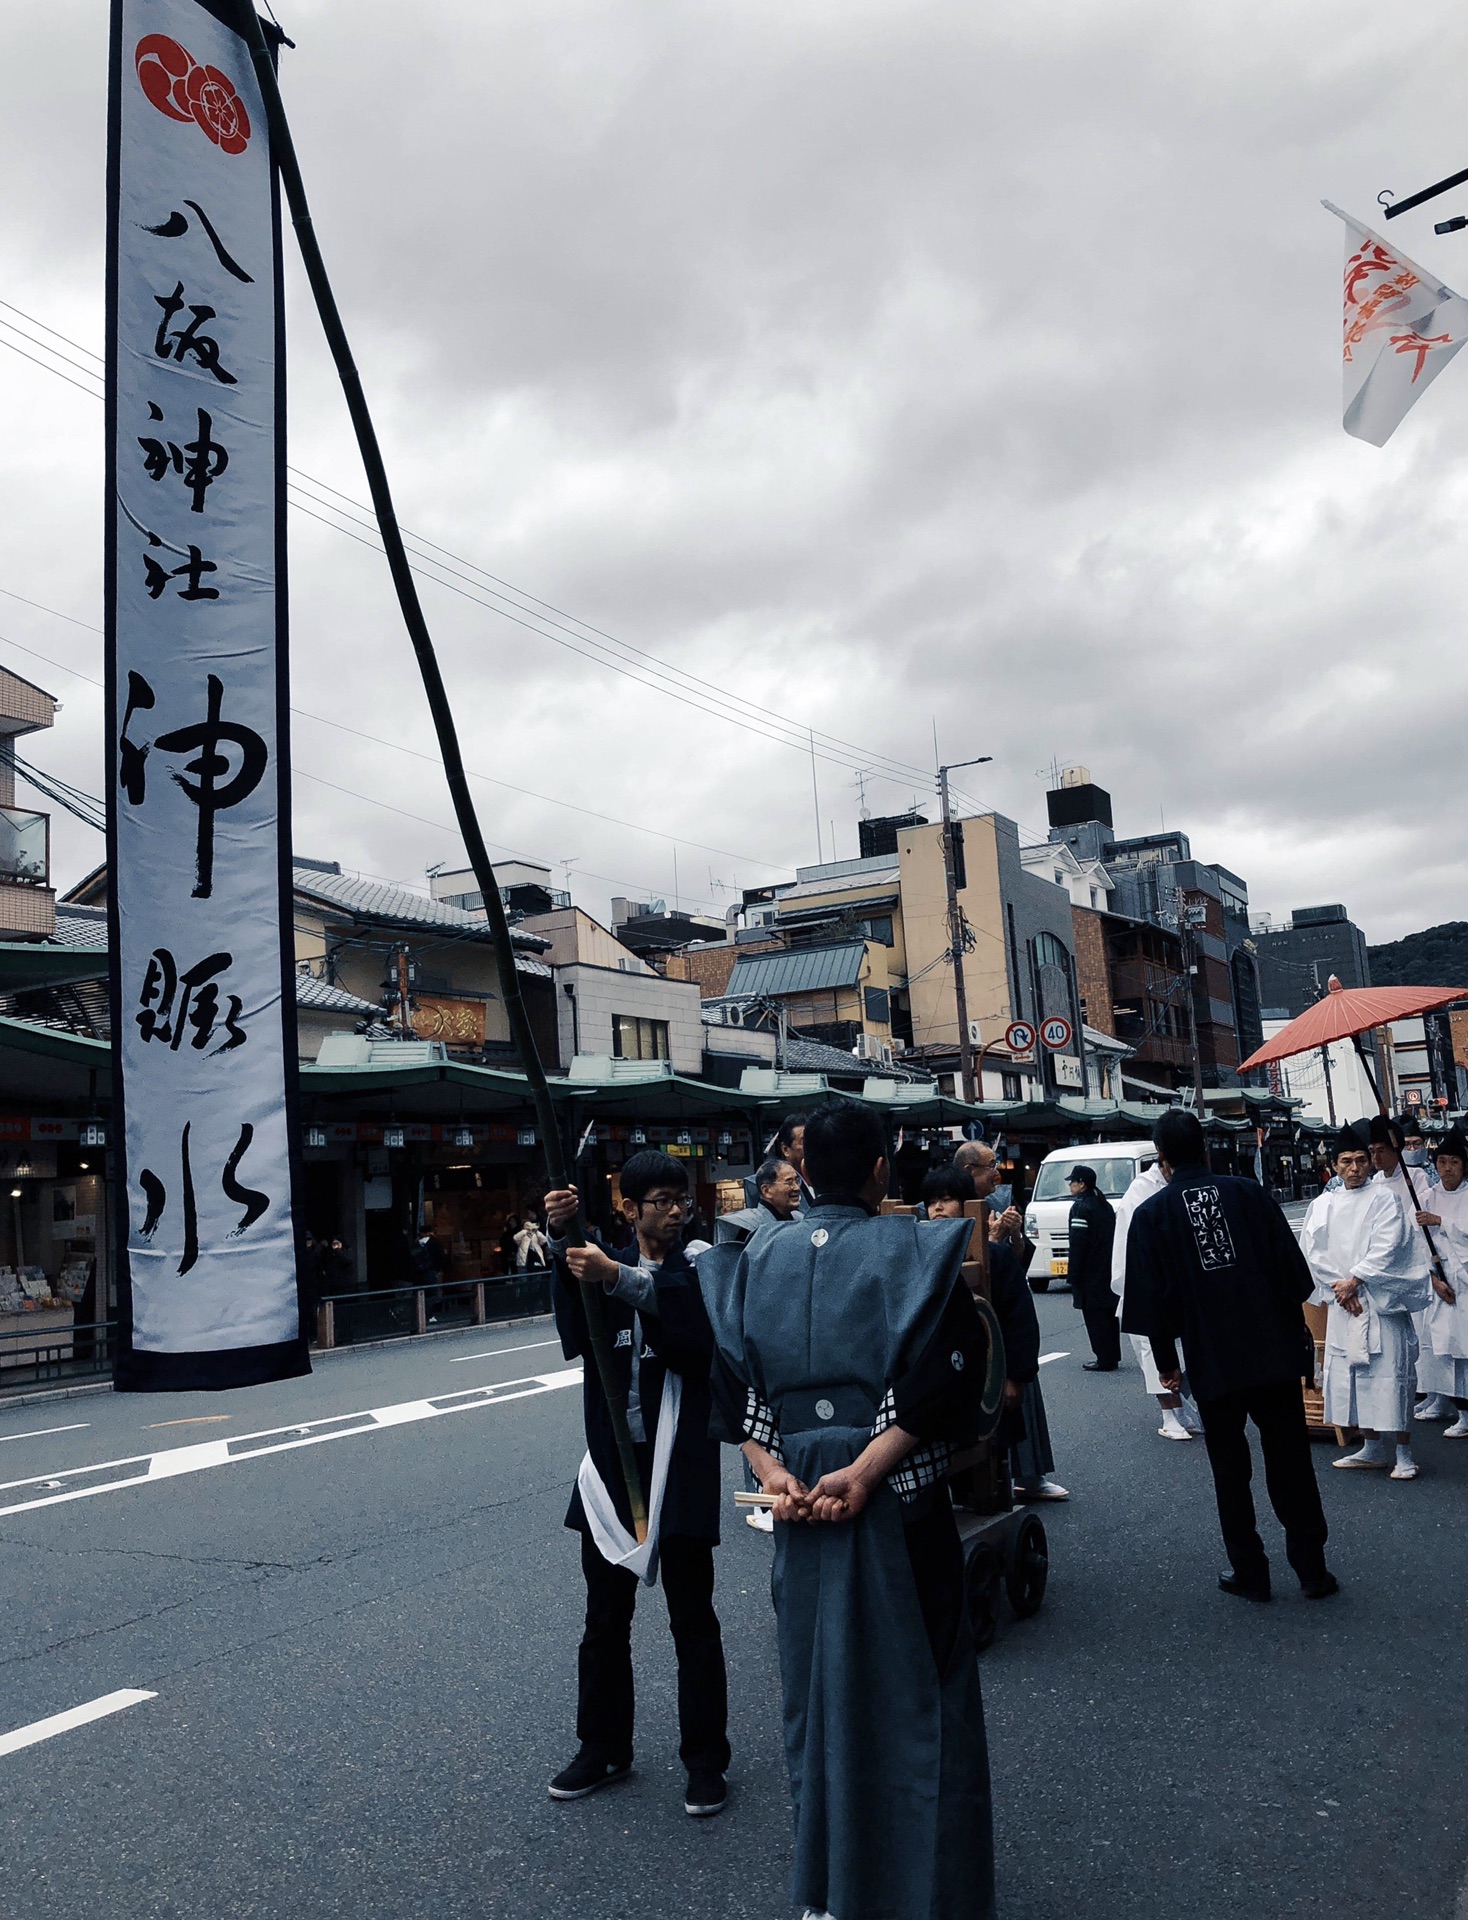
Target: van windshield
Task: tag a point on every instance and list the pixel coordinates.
(1113, 1177)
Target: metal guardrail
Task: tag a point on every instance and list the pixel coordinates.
(52, 1356)
(348, 1319)
(46, 1356)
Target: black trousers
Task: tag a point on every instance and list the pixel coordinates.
(1103, 1329)
(604, 1709)
(1289, 1474)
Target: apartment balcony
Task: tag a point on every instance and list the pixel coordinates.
(27, 899)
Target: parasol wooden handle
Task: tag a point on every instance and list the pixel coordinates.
(765, 1500)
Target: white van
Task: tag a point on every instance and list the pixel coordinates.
(1047, 1217)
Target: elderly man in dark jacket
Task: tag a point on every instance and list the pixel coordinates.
(1092, 1230)
(1212, 1261)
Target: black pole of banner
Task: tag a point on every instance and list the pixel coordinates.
(443, 723)
(1427, 193)
(1417, 1207)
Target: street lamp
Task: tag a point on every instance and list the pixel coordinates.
(955, 926)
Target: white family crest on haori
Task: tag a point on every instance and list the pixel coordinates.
(1400, 327)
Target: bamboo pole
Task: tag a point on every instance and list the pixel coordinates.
(288, 167)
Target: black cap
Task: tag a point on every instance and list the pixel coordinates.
(1354, 1137)
(1411, 1123)
(1087, 1175)
(1386, 1132)
(1454, 1143)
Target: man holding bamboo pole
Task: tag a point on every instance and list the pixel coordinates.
(851, 1362)
(661, 1345)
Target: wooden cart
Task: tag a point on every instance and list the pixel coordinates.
(1005, 1548)
(1320, 1428)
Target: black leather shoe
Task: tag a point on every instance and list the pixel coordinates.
(1243, 1589)
(1100, 1366)
(705, 1796)
(1322, 1588)
(587, 1773)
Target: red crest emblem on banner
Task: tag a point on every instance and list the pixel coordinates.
(184, 90)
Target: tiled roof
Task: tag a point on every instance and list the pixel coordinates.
(322, 997)
(807, 970)
(80, 926)
(399, 906)
(815, 1056)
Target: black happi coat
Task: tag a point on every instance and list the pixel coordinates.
(1092, 1230)
(1212, 1261)
(678, 1338)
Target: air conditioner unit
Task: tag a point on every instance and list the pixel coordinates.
(869, 1047)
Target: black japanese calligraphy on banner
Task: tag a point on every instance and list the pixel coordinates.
(203, 1008)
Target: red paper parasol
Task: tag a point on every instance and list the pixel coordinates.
(1345, 1011)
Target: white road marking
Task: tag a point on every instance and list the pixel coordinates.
(53, 1490)
(1046, 1358)
(493, 1353)
(98, 1709)
(39, 1433)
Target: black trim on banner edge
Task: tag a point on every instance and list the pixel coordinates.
(285, 836)
(117, 1116)
(144, 1371)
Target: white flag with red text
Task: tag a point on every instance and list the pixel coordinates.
(1400, 328)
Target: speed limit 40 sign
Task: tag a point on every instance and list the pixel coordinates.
(1019, 1036)
(1055, 1033)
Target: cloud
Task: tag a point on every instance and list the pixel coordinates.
(872, 364)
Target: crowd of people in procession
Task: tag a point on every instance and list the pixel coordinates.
(838, 1346)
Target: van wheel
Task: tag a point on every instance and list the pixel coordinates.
(1040, 1283)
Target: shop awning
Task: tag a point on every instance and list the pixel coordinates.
(33, 963)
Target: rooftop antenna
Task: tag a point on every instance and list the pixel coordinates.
(860, 784)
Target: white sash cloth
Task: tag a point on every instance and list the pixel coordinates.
(613, 1542)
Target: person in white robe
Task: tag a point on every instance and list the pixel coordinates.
(1180, 1419)
(1446, 1320)
(1399, 1155)
(1371, 1270)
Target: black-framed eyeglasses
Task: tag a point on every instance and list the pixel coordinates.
(668, 1202)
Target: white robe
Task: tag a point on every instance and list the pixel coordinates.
(1434, 1373)
(1142, 1188)
(1447, 1326)
(1365, 1234)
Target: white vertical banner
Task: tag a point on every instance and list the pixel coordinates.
(203, 1012)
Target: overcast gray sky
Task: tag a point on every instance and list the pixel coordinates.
(877, 364)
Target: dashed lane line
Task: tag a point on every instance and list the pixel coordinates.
(493, 1353)
(48, 1729)
(40, 1433)
(111, 1476)
(1046, 1358)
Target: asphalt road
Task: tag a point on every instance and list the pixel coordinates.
(361, 1652)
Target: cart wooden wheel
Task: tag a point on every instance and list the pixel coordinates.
(983, 1580)
(1029, 1567)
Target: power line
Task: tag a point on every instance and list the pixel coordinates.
(595, 642)
(397, 746)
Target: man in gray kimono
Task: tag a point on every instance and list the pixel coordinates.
(851, 1363)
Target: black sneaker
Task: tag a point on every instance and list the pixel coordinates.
(1244, 1589)
(1321, 1588)
(706, 1795)
(586, 1773)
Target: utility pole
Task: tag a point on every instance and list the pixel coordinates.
(955, 929)
(1190, 962)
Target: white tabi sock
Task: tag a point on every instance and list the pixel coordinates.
(1404, 1457)
(1458, 1430)
(1372, 1450)
(1173, 1426)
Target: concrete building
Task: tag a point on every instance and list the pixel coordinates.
(1155, 879)
(1297, 958)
